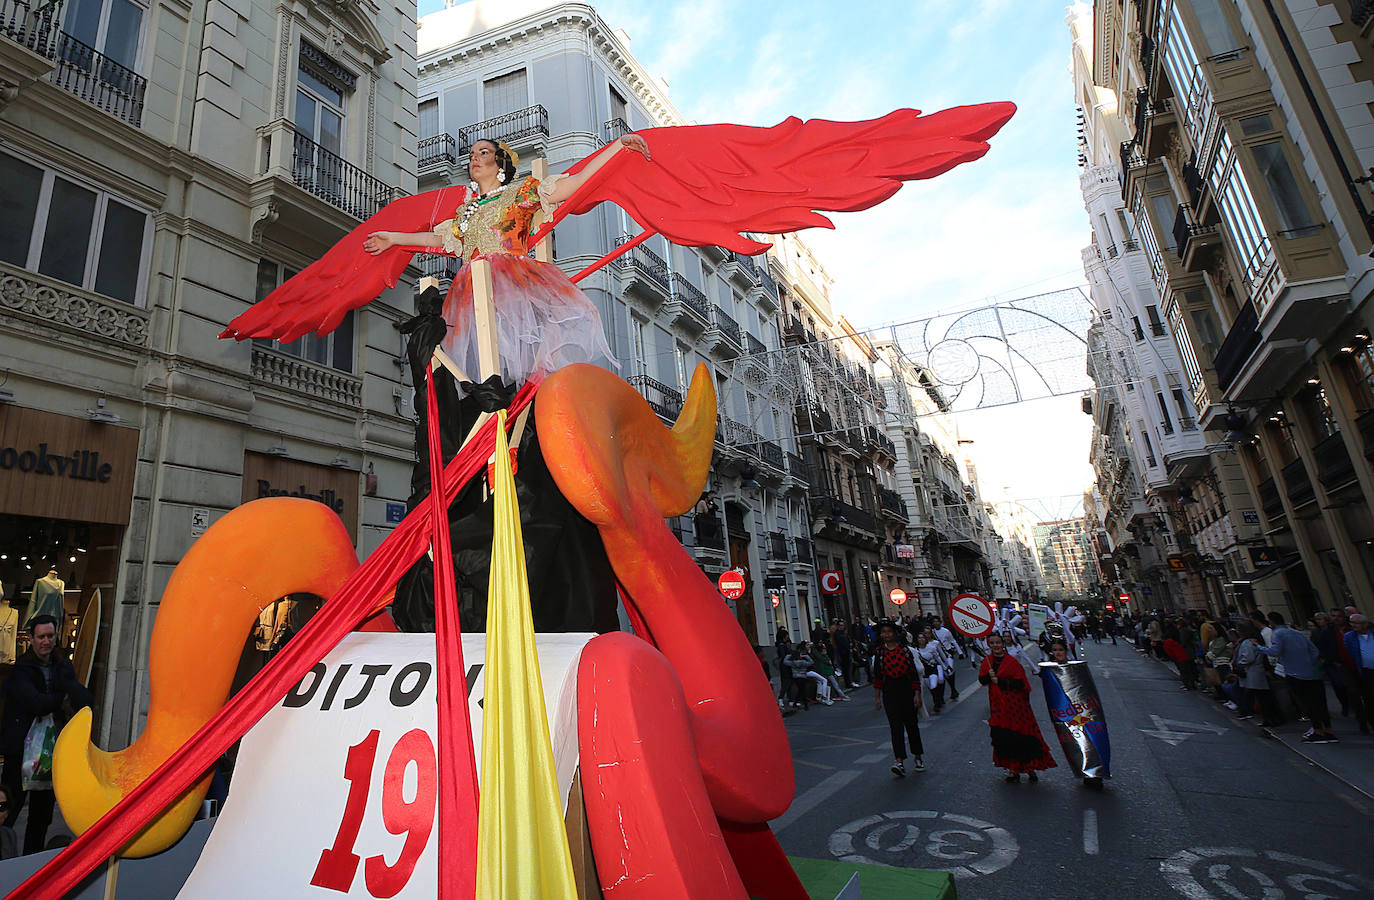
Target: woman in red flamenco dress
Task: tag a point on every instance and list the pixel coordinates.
(1016, 742)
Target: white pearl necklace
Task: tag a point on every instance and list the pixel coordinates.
(470, 208)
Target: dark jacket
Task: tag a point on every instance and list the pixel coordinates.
(27, 697)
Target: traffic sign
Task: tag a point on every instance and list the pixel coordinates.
(898, 596)
(971, 615)
(776, 600)
(832, 582)
(731, 584)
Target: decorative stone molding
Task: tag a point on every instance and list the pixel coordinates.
(321, 382)
(71, 307)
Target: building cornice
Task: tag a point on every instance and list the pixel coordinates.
(579, 17)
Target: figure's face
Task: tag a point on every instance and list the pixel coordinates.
(997, 645)
(1059, 654)
(44, 640)
(482, 162)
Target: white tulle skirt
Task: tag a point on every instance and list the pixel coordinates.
(543, 321)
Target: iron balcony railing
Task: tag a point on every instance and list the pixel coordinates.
(513, 126)
(1334, 467)
(1185, 229)
(710, 537)
(1269, 498)
(845, 513)
(335, 180)
(1237, 346)
(767, 283)
(32, 25)
(440, 265)
(726, 323)
(797, 468)
(1299, 485)
(648, 263)
(794, 329)
(1157, 329)
(438, 150)
(754, 345)
(747, 262)
(662, 399)
(772, 454)
(892, 502)
(738, 434)
(688, 294)
(92, 76)
(615, 128)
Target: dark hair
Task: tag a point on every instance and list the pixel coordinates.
(1276, 618)
(42, 620)
(1058, 643)
(502, 158)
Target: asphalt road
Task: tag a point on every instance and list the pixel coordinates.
(1200, 806)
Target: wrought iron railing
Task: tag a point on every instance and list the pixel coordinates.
(33, 26)
(335, 180)
(794, 329)
(727, 324)
(92, 76)
(1237, 346)
(738, 434)
(769, 286)
(1269, 498)
(646, 262)
(689, 295)
(513, 126)
(709, 536)
(891, 501)
(1334, 467)
(845, 513)
(772, 454)
(797, 468)
(440, 265)
(754, 345)
(615, 128)
(1158, 329)
(1185, 229)
(662, 399)
(438, 150)
(1298, 484)
(747, 263)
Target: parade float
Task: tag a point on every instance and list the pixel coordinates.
(550, 756)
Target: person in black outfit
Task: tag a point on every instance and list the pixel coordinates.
(897, 689)
(844, 666)
(41, 683)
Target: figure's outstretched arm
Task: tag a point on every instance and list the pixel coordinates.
(379, 241)
(570, 183)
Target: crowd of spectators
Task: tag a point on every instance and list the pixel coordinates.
(1259, 665)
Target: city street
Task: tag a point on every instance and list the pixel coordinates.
(1201, 806)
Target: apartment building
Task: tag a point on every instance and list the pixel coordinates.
(1238, 167)
(166, 164)
(557, 84)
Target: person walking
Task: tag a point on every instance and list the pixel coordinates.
(782, 643)
(897, 691)
(43, 683)
(1017, 745)
(933, 658)
(1300, 660)
(945, 637)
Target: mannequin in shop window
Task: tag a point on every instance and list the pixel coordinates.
(9, 629)
(48, 592)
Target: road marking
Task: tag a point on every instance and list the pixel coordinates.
(928, 839)
(814, 797)
(1090, 832)
(807, 762)
(1171, 732)
(1220, 873)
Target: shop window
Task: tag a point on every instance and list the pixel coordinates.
(80, 235)
(334, 349)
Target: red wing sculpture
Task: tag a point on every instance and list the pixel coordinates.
(708, 183)
(705, 185)
(347, 277)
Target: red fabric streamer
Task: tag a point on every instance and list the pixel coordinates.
(355, 601)
(457, 760)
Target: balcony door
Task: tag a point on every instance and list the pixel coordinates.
(319, 120)
(102, 37)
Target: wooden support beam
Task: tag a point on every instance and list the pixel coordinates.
(543, 251)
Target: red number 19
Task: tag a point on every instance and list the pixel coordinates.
(414, 818)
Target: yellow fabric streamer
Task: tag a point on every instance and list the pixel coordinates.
(522, 845)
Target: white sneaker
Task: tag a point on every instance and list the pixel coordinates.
(828, 702)
(919, 765)
(1231, 705)
(898, 769)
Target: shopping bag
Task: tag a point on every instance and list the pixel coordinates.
(1211, 677)
(38, 744)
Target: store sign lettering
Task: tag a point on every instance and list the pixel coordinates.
(326, 496)
(83, 465)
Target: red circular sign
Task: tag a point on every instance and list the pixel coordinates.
(898, 596)
(776, 601)
(731, 584)
(972, 615)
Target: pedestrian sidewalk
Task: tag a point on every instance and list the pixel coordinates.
(1348, 760)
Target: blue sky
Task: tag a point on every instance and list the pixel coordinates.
(1009, 225)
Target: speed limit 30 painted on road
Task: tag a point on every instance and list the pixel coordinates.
(971, 615)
